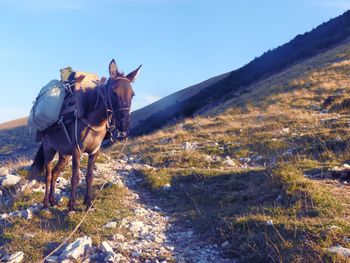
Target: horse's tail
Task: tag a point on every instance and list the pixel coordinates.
(38, 165)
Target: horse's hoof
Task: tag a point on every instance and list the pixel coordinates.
(46, 204)
(71, 206)
(92, 208)
(54, 203)
(87, 202)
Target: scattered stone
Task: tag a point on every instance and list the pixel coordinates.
(118, 237)
(77, 248)
(285, 130)
(166, 187)
(279, 199)
(14, 258)
(345, 252)
(333, 227)
(10, 180)
(245, 160)
(189, 146)
(52, 259)
(61, 182)
(165, 141)
(107, 249)
(229, 162)
(118, 182)
(269, 223)
(225, 244)
(112, 224)
(27, 214)
(137, 228)
(4, 171)
(289, 152)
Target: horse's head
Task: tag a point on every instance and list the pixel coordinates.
(120, 96)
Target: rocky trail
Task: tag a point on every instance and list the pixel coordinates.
(155, 234)
(149, 234)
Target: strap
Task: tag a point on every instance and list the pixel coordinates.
(65, 129)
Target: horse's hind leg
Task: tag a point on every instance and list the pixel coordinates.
(89, 178)
(75, 179)
(62, 162)
(49, 155)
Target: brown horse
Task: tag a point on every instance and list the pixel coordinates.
(105, 106)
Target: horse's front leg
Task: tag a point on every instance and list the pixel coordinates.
(75, 179)
(89, 179)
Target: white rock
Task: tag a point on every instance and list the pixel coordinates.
(61, 182)
(229, 162)
(189, 146)
(118, 237)
(52, 259)
(269, 223)
(137, 228)
(166, 187)
(340, 250)
(285, 130)
(77, 248)
(110, 255)
(225, 244)
(289, 152)
(118, 182)
(4, 171)
(245, 160)
(4, 216)
(111, 224)
(17, 257)
(10, 180)
(165, 141)
(27, 214)
(106, 248)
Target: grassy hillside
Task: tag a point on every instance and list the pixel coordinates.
(300, 48)
(274, 152)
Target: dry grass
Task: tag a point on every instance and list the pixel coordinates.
(280, 120)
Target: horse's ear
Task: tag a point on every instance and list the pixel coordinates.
(132, 75)
(113, 69)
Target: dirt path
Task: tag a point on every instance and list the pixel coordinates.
(154, 234)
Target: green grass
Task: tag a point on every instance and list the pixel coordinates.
(40, 235)
(235, 206)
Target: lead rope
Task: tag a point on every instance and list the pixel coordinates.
(86, 213)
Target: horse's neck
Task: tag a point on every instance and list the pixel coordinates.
(95, 108)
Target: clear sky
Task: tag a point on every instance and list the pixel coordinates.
(179, 42)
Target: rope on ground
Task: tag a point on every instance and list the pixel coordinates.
(86, 213)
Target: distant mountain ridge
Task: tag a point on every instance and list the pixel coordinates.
(139, 115)
(300, 48)
(14, 123)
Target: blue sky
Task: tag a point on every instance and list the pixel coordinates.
(179, 42)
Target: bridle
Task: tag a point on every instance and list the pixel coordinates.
(110, 111)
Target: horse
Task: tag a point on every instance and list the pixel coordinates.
(105, 106)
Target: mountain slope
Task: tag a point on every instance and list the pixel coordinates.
(301, 47)
(14, 123)
(138, 116)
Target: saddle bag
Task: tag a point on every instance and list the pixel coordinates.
(74, 101)
(47, 106)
